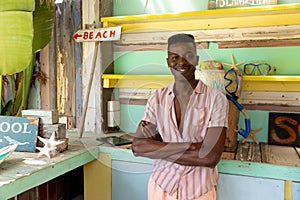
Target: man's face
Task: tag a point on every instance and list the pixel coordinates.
(182, 60)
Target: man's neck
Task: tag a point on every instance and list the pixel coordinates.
(183, 88)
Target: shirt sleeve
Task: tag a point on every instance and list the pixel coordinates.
(219, 114)
(150, 110)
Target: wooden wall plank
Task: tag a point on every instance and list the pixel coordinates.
(45, 88)
(272, 107)
(231, 133)
(270, 98)
(76, 8)
(48, 91)
(65, 59)
(107, 65)
(90, 19)
(254, 36)
(259, 43)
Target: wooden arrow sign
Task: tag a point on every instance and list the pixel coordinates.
(101, 34)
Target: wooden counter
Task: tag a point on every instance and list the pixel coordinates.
(23, 171)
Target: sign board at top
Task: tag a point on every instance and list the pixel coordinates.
(101, 34)
(215, 4)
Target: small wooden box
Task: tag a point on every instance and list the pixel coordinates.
(46, 116)
(46, 130)
(64, 146)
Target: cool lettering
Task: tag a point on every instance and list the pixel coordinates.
(16, 127)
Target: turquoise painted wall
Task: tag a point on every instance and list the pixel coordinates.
(139, 7)
(285, 59)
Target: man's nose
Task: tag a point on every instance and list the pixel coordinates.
(182, 60)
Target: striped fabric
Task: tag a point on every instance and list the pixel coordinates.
(207, 107)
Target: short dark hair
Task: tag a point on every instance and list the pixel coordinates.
(181, 37)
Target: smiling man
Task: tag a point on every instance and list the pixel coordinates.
(184, 129)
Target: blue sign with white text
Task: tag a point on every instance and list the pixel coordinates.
(18, 130)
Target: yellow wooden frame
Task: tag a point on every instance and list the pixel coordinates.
(249, 83)
(274, 15)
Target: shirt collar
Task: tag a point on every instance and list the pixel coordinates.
(199, 88)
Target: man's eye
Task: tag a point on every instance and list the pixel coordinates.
(189, 56)
(174, 58)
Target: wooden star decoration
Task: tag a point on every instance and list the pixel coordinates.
(233, 65)
(49, 148)
(252, 136)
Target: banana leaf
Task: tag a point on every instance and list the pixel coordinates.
(16, 38)
(43, 18)
(14, 5)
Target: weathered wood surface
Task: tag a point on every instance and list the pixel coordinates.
(90, 19)
(248, 151)
(220, 35)
(77, 13)
(271, 98)
(259, 43)
(271, 107)
(64, 31)
(231, 133)
(48, 90)
(228, 155)
(280, 155)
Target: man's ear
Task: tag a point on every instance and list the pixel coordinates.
(167, 59)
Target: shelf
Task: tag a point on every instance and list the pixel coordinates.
(275, 15)
(249, 83)
(135, 81)
(271, 83)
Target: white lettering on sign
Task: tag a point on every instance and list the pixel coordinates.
(16, 127)
(103, 34)
(241, 3)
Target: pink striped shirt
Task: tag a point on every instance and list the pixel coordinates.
(207, 107)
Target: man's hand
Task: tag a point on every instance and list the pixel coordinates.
(147, 130)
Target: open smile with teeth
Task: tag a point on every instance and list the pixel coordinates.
(182, 69)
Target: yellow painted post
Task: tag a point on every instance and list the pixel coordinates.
(97, 178)
(288, 190)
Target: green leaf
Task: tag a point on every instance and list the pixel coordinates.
(7, 108)
(43, 18)
(15, 5)
(16, 38)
